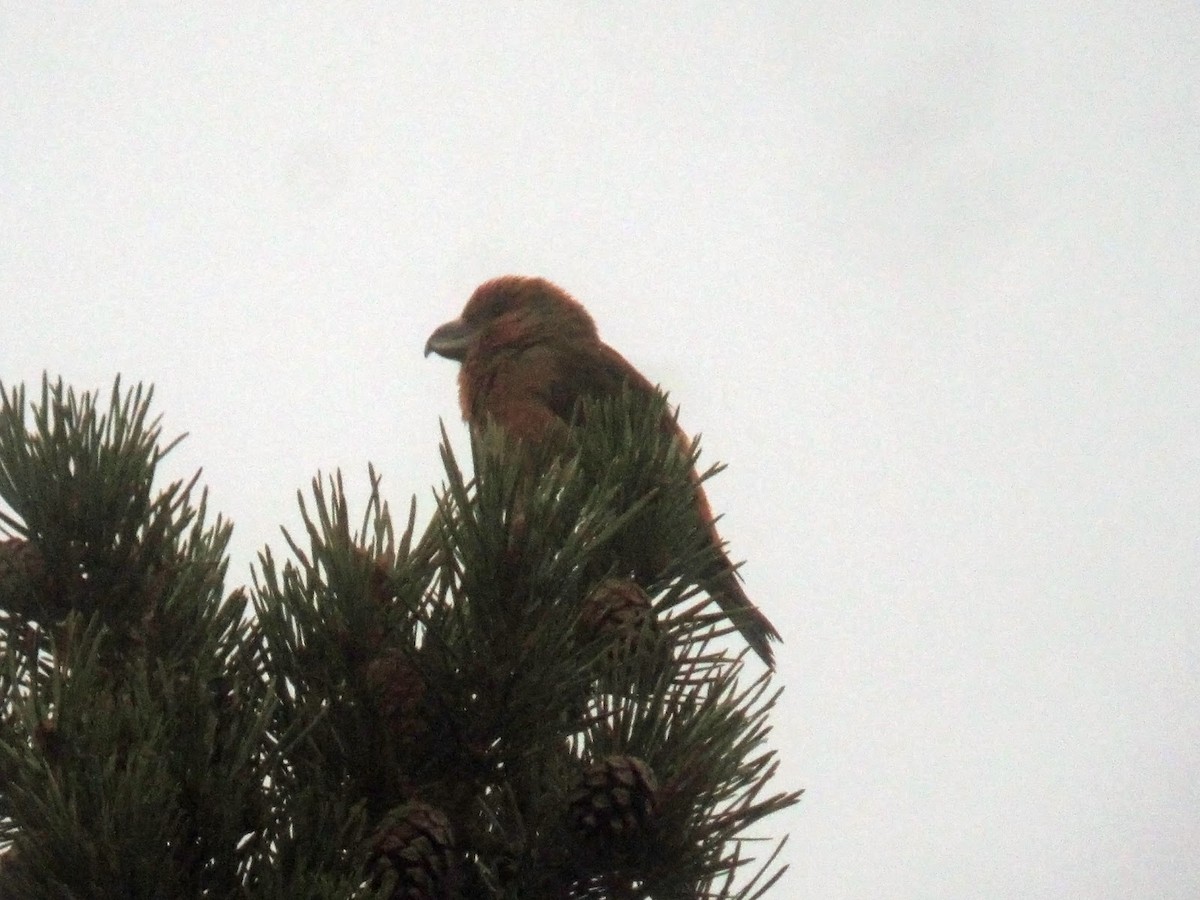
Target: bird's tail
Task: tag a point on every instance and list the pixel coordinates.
(747, 618)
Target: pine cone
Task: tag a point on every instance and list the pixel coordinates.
(398, 689)
(620, 610)
(21, 573)
(415, 845)
(617, 798)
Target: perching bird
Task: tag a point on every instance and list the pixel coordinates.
(529, 352)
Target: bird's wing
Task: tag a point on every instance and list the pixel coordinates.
(595, 372)
(534, 391)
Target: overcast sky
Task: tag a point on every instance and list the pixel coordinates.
(925, 274)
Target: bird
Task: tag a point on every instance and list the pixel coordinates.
(529, 353)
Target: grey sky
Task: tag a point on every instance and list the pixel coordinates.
(924, 274)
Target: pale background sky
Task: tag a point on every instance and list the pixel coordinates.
(926, 275)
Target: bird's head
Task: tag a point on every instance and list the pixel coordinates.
(508, 312)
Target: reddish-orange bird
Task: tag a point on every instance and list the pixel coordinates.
(529, 352)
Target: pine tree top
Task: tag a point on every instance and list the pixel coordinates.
(509, 703)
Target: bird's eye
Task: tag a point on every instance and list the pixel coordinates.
(489, 304)
(497, 305)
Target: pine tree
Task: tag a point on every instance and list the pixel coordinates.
(501, 706)
(129, 765)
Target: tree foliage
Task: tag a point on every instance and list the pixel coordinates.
(501, 705)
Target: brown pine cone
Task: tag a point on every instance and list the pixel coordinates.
(619, 610)
(617, 797)
(415, 845)
(398, 690)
